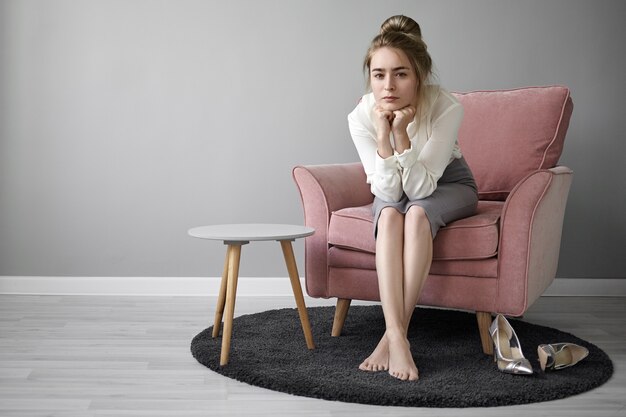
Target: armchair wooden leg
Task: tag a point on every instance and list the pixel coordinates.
(341, 311)
(484, 321)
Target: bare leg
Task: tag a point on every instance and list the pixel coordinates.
(417, 254)
(389, 265)
(417, 257)
(389, 252)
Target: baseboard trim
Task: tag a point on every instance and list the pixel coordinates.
(167, 286)
(587, 287)
(247, 286)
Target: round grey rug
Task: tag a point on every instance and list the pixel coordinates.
(268, 350)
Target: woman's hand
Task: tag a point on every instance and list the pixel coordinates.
(401, 119)
(396, 122)
(383, 120)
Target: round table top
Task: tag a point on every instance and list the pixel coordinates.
(251, 232)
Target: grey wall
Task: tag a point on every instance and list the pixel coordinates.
(124, 123)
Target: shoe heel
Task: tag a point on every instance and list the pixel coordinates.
(543, 358)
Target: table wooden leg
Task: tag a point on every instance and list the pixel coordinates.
(292, 268)
(221, 299)
(234, 255)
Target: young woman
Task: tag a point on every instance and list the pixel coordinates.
(405, 132)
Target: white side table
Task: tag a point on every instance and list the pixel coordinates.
(236, 235)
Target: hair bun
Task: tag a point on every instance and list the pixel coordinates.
(403, 24)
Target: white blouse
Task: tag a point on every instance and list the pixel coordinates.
(416, 171)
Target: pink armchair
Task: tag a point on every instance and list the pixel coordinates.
(497, 261)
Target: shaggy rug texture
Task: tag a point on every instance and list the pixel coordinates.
(268, 350)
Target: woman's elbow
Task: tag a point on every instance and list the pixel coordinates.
(417, 193)
(387, 196)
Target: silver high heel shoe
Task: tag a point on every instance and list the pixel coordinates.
(507, 352)
(560, 355)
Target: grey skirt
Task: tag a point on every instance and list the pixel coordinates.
(455, 197)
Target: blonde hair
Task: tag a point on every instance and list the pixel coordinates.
(403, 33)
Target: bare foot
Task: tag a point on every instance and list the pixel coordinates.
(379, 359)
(401, 364)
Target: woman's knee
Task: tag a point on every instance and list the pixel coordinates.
(390, 218)
(417, 220)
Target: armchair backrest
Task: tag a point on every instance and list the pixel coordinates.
(507, 134)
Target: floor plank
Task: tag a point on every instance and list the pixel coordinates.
(129, 356)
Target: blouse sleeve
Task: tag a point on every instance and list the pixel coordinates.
(421, 170)
(383, 174)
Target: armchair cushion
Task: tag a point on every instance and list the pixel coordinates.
(507, 134)
(474, 237)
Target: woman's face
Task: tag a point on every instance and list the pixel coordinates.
(393, 81)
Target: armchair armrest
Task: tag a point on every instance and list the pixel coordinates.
(324, 189)
(530, 238)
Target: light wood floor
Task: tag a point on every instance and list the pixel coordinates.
(129, 356)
